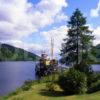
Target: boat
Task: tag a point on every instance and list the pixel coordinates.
(45, 66)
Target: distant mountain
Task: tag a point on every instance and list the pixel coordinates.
(11, 53)
(97, 47)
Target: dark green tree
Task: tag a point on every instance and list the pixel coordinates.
(76, 49)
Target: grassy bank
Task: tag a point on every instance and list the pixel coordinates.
(39, 92)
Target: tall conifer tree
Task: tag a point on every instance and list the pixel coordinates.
(77, 46)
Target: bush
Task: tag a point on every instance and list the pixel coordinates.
(94, 87)
(51, 86)
(84, 67)
(92, 78)
(73, 82)
(27, 85)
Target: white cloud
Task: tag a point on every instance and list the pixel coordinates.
(96, 33)
(95, 12)
(58, 34)
(21, 18)
(14, 19)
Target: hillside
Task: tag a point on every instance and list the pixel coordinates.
(10, 53)
(98, 52)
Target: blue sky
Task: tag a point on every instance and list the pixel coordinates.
(30, 24)
(85, 6)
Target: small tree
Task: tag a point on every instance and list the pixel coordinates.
(73, 82)
(77, 46)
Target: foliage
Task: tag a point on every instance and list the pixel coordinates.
(77, 46)
(97, 51)
(8, 52)
(27, 85)
(47, 79)
(73, 82)
(94, 87)
(92, 78)
(84, 67)
(51, 86)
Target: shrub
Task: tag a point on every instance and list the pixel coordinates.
(92, 78)
(73, 82)
(94, 87)
(51, 86)
(84, 67)
(27, 85)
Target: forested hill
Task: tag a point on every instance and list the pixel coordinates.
(98, 52)
(10, 53)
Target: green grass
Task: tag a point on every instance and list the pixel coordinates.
(39, 92)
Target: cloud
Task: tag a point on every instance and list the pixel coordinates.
(14, 19)
(19, 19)
(95, 12)
(96, 33)
(22, 18)
(58, 34)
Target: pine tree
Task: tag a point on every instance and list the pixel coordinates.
(77, 46)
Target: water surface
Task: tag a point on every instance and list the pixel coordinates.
(14, 74)
(96, 67)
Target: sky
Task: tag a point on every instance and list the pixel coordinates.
(30, 24)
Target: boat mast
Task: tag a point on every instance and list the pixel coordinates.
(52, 48)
